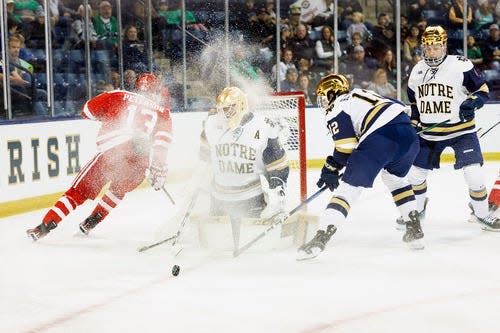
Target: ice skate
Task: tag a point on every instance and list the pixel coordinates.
(89, 223)
(400, 222)
(488, 223)
(41, 230)
(413, 235)
(316, 245)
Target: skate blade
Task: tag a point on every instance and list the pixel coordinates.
(417, 244)
(488, 228)
(302, 255)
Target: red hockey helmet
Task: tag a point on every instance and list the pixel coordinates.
(148, 83)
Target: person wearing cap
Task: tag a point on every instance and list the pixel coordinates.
(27, 9)
(360, 67)
(263, 32)
(105, 25)
(290, 83)
(490, 48)
(294, 19)
(11, 12)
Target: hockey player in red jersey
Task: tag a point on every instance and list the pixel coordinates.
(135, 129)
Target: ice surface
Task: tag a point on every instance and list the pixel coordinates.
(365, 281)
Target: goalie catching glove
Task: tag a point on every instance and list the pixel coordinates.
(330, 174)
(157, 176)
(274, 197)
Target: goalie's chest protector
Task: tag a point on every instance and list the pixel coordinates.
(236, 156)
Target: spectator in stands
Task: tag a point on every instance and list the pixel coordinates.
(491, 48)
(304, 67)
(473, 51)
(381, 85)
(242, 68)
(285, 37)
(173, 17)
(263, 34)
(417, 7)
(326, 47)
(361, 68)
(290, 82)
(302, 46)
(114, 78)
(270, 10)
(285, 63)
(129, 77)
(241, 17)
(294, 19)
(308, 90)
(77, 34)
(357, 39)
(137, 16)
(347, 8)
(27, 9)
(105, 25)
(483, 15)
(11, 12)
(325, 15)
(382, 21)
(411, 42)
(456, 15)
(21, 80)
(388, 62)
(135, 52)
(358, 26)
(36, 38)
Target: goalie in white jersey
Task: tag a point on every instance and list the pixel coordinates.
(372, 135)
(445, 91)
(249, 166)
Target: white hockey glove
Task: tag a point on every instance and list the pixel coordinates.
(157, 176)
(274, 197)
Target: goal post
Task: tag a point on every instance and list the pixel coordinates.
(287, 110)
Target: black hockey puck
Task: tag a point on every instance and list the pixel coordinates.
(175, 270)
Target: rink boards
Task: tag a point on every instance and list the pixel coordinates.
(39, 160)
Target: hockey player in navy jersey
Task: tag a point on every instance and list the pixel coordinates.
(445, 90)
(372, 135)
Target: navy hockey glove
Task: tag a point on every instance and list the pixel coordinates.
(468, 107)
(330, 174)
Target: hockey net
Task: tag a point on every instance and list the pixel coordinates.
(287, 111)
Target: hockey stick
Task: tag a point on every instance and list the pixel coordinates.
(147, 247)
(433, 126)
(168, 195)
(489, 129)
(277, 222)
(176, 236)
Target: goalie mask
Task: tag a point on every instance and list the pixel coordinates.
(147, 83)
(434, 41)
(329, 88)
(232, 105)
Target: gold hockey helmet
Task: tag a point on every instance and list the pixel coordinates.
(434, 41)
(232, 104)
(329, 88)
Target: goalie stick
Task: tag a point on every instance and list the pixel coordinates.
(176, 236)
(277, 222)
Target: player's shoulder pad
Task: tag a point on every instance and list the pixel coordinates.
(461, 63)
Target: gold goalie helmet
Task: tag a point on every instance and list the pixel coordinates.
(232, 104)
(434, 41)
(329, 88)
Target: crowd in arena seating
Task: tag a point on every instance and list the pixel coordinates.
(366, 50)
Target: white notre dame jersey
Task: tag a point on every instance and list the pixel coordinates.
(237, 155)
(357, 114)
(438, 93)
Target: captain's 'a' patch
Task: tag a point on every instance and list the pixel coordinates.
(257, 135)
